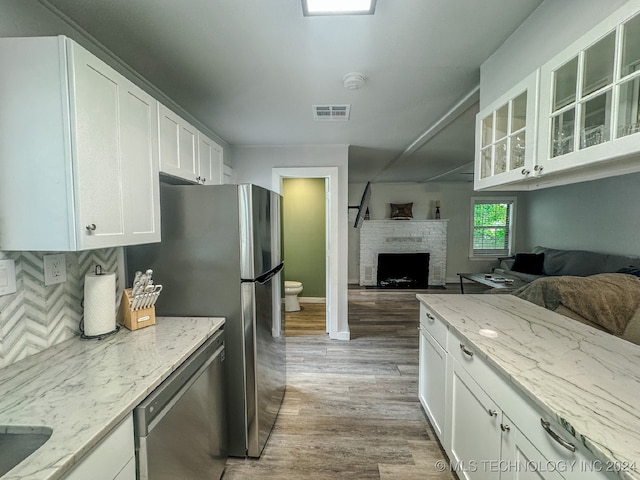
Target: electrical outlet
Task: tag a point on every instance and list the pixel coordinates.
(55, 269)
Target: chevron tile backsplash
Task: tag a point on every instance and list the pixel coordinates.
(37, 316)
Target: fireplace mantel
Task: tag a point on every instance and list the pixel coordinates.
(403, 236)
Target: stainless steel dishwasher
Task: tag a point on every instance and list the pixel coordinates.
(180, 428)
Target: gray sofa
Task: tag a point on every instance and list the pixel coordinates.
(568, 262)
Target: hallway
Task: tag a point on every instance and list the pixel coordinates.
(351, 409)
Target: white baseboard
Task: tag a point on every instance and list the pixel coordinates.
(344, 336)
(312, 299)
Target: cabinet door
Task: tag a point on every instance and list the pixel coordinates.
(209, 160)
(139, 153)
(111, 458)
(520, 458)
(475, 436)
(96, 157)
(432, 376)
(506, 136)
(589, 98)
(178, 145)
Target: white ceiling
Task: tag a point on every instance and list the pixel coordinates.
(251, 70)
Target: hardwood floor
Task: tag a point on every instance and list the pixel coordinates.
(351, 409)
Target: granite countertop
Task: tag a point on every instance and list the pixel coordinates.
(84, 388)
(585, 378)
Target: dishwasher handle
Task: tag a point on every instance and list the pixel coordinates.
(153, 408)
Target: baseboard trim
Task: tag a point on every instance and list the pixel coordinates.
(312, 299)
(344, 336)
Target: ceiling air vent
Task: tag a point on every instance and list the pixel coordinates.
(331, 112)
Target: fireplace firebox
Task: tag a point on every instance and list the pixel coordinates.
(403, 270)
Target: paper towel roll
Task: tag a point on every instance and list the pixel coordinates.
(99, 303)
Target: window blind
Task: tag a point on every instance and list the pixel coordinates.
(492, 228)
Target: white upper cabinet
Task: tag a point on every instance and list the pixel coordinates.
(582, 119)
(590, 94)
(209, 161)
(506, 136)
(178, 145)
(187, 153)
(79, 154)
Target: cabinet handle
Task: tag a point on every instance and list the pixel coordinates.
(538, 168)
(91, 227)
(430, 317)
(504, 428)
(547, 428)
(524, 171)
(492, 413)
(465, 350)
(204, 180)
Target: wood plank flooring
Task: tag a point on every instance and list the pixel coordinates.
(351, 409)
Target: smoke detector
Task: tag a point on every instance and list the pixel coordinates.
(354, 80)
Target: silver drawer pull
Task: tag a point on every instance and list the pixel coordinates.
(466, 350)
(547, 428)
(91, 227)
(430, 317)
(504, 428)
(492, 413)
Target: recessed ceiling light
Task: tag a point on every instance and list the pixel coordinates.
(338, 7)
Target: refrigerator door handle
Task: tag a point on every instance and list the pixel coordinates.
(265, 277)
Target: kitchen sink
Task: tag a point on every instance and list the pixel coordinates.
(17, 443)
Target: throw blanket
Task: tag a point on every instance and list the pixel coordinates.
(609, 300)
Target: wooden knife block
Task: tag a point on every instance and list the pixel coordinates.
(134, 319)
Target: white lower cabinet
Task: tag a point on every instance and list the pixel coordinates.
(432, 374)
(490, 430)
(474, 426)
(432, 381)
(111, 459)
(521, 460)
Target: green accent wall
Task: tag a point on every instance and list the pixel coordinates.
(303, 222)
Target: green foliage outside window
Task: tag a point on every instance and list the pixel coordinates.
(491, 228)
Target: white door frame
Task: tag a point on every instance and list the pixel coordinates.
(330, 174)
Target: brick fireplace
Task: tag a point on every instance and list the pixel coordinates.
(403, 236)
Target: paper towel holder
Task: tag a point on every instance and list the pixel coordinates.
(98, 270)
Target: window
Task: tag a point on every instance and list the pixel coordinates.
(492, 228)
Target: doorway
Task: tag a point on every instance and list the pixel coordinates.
(330, 175)
(304, 236)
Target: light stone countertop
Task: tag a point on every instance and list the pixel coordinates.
(83, 388)
(586, 379)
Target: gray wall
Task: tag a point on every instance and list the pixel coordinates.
(601, 216)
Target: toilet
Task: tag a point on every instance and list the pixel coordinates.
(291, 291)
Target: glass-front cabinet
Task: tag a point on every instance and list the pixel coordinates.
(590, 97)
(505, 136)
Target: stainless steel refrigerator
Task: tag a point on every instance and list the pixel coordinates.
(220, 255)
